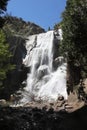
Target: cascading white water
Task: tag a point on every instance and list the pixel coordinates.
(43, 82)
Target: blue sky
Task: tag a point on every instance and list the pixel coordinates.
(45, 13)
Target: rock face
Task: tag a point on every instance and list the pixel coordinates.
(17, 31)
(15, 77)
(37, 119)
(17, 26)
(73, 76)
(42, 70)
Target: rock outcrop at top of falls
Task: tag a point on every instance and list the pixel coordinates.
(17, 26)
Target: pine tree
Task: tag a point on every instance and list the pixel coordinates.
(3, 5)
(74, 27)
(5, 54)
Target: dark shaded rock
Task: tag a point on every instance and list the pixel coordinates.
(58, 62)
(60, 98)
(19, 74)
(73, 76)
(37, 119)
(2, 102)
(17, 30)
(42, 70)
(56, 47)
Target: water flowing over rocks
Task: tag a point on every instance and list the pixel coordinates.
(47, 77)
(44, 105)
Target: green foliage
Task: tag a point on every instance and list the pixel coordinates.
(3, 4)
(5, 56)
(74, 26)
(57, 25)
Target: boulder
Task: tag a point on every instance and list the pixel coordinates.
(3, 102)
(60, 98)
(42, 70)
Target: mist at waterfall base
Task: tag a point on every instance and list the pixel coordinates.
(43, 82)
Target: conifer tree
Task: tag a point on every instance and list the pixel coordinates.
(74, 27)
(3, 5)
(5, 54)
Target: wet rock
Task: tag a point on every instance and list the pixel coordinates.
(42, 70)
(67, 106)
(3, 102)
(60, 98)
(58, 61)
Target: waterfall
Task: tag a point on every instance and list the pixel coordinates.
(43, 83)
